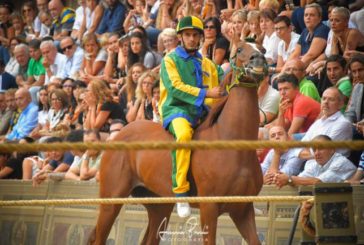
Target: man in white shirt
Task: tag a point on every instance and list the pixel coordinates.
(332, 122)
(53, 62)
(74, 56)
(327, 167)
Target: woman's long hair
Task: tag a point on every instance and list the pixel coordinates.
(133, 57)
(101, 90)
(139, 93)
(130, 84)
(42, 107)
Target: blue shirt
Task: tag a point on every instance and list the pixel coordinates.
(27, 121)
(321, 31)
(4, 54)
(113, 19)
(66, 159)
(73, 64)
(288, 162)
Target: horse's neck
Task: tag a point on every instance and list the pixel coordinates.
(240, 117)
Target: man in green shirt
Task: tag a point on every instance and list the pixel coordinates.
(307, 87)
(36, 70)
(337, 75)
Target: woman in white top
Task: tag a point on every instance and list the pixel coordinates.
(33, 24)
(289, 39)
(91, 18)
(12, 67)
(43, 106)
(270, 41)
(92, 65)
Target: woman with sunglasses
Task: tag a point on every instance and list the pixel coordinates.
(215, 45)
(32, 22)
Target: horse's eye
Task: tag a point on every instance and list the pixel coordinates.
(239, 50)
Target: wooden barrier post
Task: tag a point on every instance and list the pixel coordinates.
(334, 214)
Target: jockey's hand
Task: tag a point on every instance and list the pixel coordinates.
(215, 92)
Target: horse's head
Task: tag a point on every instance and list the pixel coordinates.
(244, 52)
(248, 63)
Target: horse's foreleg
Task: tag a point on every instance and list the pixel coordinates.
(158, 215)
(115, 181)
(209, 213)
(243, 217)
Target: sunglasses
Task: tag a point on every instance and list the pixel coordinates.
(67, 47)
(209, 27)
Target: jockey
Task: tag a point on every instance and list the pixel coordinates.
(187, 79)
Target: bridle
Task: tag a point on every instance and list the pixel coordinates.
(238, 73)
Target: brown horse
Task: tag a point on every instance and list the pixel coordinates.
(213, 172)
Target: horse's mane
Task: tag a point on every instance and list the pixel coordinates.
(213, 114)
(217, 107)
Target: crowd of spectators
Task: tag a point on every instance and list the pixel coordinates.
(82, 74)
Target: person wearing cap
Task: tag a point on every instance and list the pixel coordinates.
(188, 84)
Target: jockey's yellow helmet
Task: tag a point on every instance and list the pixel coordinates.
(190, 22)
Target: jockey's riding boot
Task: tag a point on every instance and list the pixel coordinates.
(183, 209)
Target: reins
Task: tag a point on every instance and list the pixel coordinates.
(238, 72)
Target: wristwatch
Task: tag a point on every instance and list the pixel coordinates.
(290, 181)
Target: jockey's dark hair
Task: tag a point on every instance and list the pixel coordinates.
(336, 58)
(284, 19)
(290, 78)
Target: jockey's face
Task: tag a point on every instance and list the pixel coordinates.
(190, 39)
